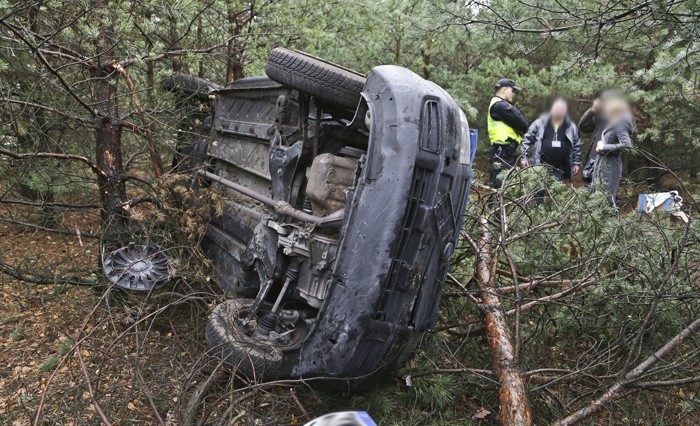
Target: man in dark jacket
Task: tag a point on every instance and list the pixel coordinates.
(553, 140)
(506, 124)
(592, 121)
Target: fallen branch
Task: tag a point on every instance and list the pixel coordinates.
(295, 398)
(40, 279)
(542, 376)
(43, 204)
(514, 405)
(45, 229)
(21, 156)
(487, 374)
(583, 283)
(503, 291)
(665, 383)
(194, 404)
(93, 398)
(627, 380)
(156, 161)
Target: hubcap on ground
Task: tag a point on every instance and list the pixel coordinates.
(138, 267)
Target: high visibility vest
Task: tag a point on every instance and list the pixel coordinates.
(500, 132)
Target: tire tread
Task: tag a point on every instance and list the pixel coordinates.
(323, 80)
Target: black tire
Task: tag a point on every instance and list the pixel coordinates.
(227, 341)
(308, 74)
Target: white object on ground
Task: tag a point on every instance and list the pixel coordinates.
(343, 418)
(669, 202)
(658, 199)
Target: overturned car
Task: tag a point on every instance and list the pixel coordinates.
(344, 200)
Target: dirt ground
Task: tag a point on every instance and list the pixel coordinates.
(65, 347)
(71, 354)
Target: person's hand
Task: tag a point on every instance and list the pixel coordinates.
(599, 147)
(524, 163)
(575, 170)
(596, 105)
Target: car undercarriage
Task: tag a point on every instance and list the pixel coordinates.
(344, 199)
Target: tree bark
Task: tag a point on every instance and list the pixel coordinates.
(174, 43)
(235, 49)
(426, 55)
(108, 150)
(512, 391)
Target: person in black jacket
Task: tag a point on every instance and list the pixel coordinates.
(593, 122)
(506, 125)
(553, 140)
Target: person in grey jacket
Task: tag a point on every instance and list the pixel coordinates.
(615, 139)
(553, 139)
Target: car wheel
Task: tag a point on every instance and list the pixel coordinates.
(229, 341)
(323, 80)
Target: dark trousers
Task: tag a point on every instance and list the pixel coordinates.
(557, 173)
(503, 157)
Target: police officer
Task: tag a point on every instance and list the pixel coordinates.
(506, 124)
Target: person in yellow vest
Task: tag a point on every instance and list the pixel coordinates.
(506, 125)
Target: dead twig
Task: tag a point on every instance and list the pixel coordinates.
(93, 398)
(619, 387)
(21, 156)
(153, 151)
(195, 402)
(45, 229)
(299, 404)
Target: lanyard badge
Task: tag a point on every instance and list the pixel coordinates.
(556, 143)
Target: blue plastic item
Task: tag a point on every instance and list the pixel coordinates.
(646, 203)
(473, 139)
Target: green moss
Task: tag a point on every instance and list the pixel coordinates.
(18, 333)
(10, 320)
(49, 365)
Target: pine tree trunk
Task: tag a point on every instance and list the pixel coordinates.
(234, 52)
(512, 391)
(108, 150)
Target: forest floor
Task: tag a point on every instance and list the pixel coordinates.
(65, 351)
(55, 338)
(38, 323)
(71, 352)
